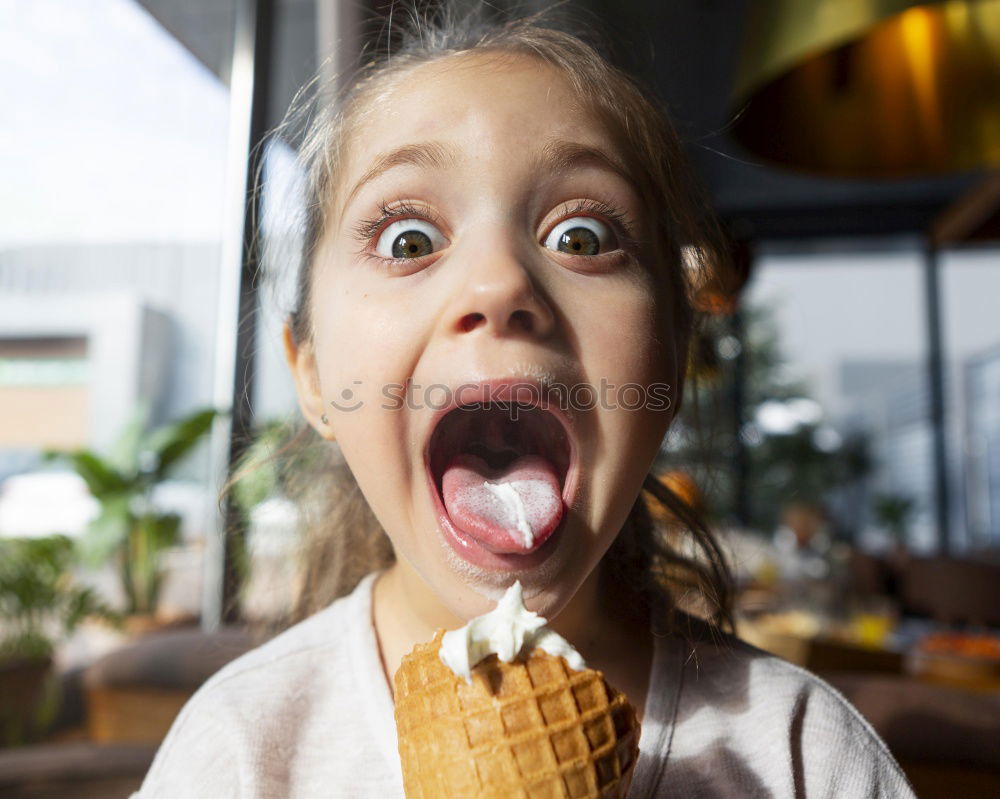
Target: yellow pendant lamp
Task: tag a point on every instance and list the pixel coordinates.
(871, 88)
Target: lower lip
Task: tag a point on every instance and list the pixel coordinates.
(475, 552)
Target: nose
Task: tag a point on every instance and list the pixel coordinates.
(500, 297)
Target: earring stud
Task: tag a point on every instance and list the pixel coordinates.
(324, 419)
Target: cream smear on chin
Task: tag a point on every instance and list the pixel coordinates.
(505, 632)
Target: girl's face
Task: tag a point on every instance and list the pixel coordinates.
(505, 258)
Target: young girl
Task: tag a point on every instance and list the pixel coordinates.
(497, 287)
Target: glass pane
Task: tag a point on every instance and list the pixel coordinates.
(114, 155)
(839, 416)
(970, 284)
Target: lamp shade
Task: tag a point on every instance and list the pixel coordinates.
(871, 88)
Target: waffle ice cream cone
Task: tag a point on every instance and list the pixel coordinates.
(533, 728)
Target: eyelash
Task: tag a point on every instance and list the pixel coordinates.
(367, 229)
(622, 226)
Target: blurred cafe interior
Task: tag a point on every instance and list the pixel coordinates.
(841, 430)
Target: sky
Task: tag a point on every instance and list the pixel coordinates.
(110, 130)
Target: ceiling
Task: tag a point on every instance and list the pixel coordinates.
(688, 50)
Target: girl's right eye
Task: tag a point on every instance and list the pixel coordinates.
(406, 239)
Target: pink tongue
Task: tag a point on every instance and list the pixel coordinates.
(507, 510)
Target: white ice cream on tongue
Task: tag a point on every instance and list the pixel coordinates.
(506, 631)
(509, 509)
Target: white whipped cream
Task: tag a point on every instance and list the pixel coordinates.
(506, 493)
(505, 631)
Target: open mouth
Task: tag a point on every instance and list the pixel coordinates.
(499, 471)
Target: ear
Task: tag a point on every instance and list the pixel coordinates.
(302, 364)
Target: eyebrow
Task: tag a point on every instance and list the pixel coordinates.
(561, 155)
(426, 155)
(558, 155)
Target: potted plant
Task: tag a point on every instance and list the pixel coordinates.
(130, 530)
(893, 512)
(39, 601)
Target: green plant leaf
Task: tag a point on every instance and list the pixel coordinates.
(107, 533)
(124, 453)
(172, 442)
(149, 536)
(102, 479)
(83, 603)
(31, 645)
(164, 530)
(259, 471)
(37, 592)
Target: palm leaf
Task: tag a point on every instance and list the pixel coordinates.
(102, 479)
(174, 441)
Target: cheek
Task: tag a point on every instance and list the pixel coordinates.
(360, 334)
(624, 337)
(364, 355)
(624, 351)
(369, 440)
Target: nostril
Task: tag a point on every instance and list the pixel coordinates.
(519, 320)
(470, 322)
(522, 319)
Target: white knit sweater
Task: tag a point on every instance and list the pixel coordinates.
(309, 714)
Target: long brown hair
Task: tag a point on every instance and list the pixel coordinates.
(665, 558)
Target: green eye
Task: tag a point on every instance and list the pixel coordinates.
(580, 235)
(412, 244)
(580, 241)
(409, 238)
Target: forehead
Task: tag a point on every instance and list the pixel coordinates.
(469, 94)
(482, 108)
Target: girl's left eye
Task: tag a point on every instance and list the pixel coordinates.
(581, 235)
(409, 238)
